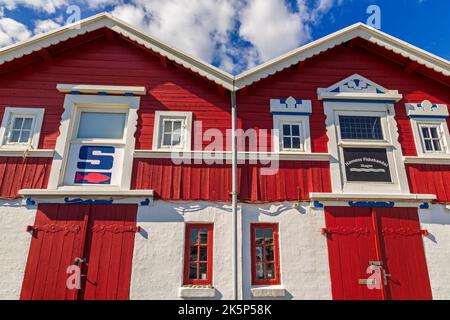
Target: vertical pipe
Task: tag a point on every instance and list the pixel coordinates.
(234, 196)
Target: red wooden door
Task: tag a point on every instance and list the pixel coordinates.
(351, 246)
(103, 234)
(389, 236)
(404, 256)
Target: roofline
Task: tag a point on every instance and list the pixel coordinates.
(220, 77)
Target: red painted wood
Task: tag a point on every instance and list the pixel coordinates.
(52, 252)
(404, 254)
(430, 179)
(294, 181)
(22, 173)
(109, 254)
(350, 251)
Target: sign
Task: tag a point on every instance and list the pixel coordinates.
(366, 165)
(94, 165)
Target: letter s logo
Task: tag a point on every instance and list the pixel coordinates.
(105, 162)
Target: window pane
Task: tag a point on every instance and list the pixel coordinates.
(434, 133)
(437, 145)
(425, 133)
(270, 271)
(176, 139)
(25, 137)
(203, 253)
(204, 236)
(260, 271)
(428, 145)
(203, 271)
(193, 235)
(18, 123)
(296, 130)
(269, 235)
(193, 253)
(296, 143)
(259, 234)
(269, 253)
(168, 126)
(192, 271)
(177, 126)
(27, 124)
(167, 139)
(259, 254)
(101, 125)
(286, 130)
(14, 137)
(287, 143)
(361, 128)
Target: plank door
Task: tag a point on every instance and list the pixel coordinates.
(57, 238)
(109, 252)
(404, 255)
(351, 246)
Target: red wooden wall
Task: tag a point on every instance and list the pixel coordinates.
(430, 179)
(294, 181)
(23, 173)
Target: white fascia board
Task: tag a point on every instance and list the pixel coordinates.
(86, 192)
(94, 89)
(359, 96)
(439, 160)
(319, 196)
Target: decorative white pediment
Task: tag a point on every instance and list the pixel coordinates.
(357, 87)
(427, 109)
(290, 105)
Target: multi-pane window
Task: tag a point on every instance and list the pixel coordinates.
(20, 130)
(431, 138)
(292, 136)
(360, 128)
(265, 256)
(172, 133)
(198, 254)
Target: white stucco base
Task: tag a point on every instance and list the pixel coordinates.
(14, 246)
(159, 249)
(437, 249)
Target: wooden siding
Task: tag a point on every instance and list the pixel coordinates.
(294, 181)
(23, 173)
(430, 179)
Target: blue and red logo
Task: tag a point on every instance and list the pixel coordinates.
(102, 160)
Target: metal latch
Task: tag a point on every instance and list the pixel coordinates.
(78, 261)
(367, 282)
(376, 263)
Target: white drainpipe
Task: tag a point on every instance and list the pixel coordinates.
(234, 195)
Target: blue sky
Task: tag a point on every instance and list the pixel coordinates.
(236, 35)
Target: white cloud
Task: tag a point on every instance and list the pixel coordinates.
(43, 26)
(48, 6)
(12, 31)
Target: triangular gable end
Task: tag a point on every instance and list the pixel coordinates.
(357, 87)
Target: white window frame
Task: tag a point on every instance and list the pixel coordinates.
(441, 124)
(10, 113)
(277, 140)
(334, 109)
(186, 133)
(73, 105)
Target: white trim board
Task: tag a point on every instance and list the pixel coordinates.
(95, 89)
(222, 78)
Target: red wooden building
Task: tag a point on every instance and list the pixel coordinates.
(115, 170)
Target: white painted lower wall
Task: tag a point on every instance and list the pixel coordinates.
(14, 246)
(158, 256)
(437, 249)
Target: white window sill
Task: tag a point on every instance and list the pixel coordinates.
(429, 159)
(18, 151)
(268, 292)
(197, 292)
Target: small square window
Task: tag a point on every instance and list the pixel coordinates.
(21, 127)
(172, 131)
(432, 139)
(292, 137)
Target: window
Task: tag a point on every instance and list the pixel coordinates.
(101, 125)
(360, 128)
(431, 138)
(292, 136)
(21, 127)
(198, 254)
(291, 133)
(172, 131)
(265, 256)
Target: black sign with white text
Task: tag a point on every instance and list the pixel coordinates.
(367, 165)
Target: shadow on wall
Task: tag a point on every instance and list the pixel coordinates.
(438, 215)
